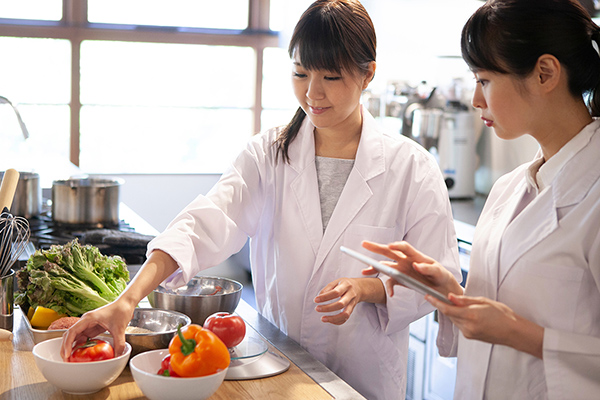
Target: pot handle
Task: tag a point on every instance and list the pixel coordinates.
(8, 188)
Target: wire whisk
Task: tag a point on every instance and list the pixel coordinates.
(14, 237)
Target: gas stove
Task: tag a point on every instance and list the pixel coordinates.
(122, 240)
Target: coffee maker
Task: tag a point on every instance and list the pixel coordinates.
(450, 134)
(457, 149)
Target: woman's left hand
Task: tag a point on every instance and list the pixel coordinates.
(344, 294)
(490, 321)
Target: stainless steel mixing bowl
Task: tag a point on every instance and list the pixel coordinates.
(162, 324)
(201, 297)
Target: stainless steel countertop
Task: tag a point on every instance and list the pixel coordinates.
(329, 381)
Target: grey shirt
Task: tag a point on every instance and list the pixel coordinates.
(332, 174)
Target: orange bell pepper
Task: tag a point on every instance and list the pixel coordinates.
(196, 351)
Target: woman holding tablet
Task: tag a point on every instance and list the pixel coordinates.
(528, 323)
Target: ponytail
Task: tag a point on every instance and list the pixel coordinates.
(288, 134)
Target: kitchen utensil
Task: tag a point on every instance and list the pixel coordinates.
(40, 335)
(81, 377)
(162, 324)
(144, 368)
(7, 300)
(201, 297)
(87, 202)
(14, 237)
(27, 201)
(8, 187)
(263, 366)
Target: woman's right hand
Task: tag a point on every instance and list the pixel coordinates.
(113, 317)
(415, 264)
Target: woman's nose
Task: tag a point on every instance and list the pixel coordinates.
(315, 90)
(478, 101)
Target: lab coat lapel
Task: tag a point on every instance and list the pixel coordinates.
(369, 162)
(500, 219)
(569, 188)
(305, 186)
(530, 227)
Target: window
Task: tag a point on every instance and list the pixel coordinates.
(133, 86)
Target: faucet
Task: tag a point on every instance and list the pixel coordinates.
(4, 100)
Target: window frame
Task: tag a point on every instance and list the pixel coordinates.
(75, 28)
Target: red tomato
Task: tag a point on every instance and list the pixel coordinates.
(165, 367)
(92, 350)
(231, 329)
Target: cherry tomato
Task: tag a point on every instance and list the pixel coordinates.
(91, 350)
(231, 329)
(165, 367)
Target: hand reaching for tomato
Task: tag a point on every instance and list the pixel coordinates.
(91, 350)
(231, 329)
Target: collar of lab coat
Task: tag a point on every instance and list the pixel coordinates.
(540, 219)
(369, 162)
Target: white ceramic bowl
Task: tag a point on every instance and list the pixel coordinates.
(77, 378)
(144, 368)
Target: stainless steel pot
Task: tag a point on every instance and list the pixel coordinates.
(89, 201)
(28, 196)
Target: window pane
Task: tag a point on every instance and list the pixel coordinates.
(38, 72)
(278, 99)
(161, 139)
(230, 14)
(277, 80)
(37, 81)
(120, 73)
(47, 10)
(285, 13)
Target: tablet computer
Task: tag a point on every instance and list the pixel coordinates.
(400, 277)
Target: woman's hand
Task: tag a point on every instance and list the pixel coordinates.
(490, 321)
(115, 316)
(112, 317)
(415, 264)
(344, 294)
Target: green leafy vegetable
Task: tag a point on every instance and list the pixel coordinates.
(71, 279)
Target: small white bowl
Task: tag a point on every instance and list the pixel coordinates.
(77, 378)
(144, 368)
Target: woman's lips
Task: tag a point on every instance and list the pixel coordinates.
(318, 110)
(487, 122)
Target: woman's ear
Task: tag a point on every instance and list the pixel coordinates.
(369, 75)
(548, 71)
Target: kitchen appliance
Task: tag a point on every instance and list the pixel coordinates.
(450, 134)
(27, 201)
(87, 201)
(457, 155)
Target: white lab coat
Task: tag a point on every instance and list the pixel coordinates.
(395, 191)
(545, 265)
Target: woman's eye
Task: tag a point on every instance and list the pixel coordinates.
(299, 75)
(482, 82)
(332, 78)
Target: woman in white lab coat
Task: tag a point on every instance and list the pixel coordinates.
(529, 319)
(331, 177)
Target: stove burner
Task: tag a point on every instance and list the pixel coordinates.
(45, 232)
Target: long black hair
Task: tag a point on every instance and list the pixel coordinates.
(332, 35)
(508, 36)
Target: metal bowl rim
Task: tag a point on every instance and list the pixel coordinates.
(162, 290)
(186, 318)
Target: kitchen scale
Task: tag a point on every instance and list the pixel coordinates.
(251, 359)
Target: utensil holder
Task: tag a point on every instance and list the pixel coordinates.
(7, 300)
